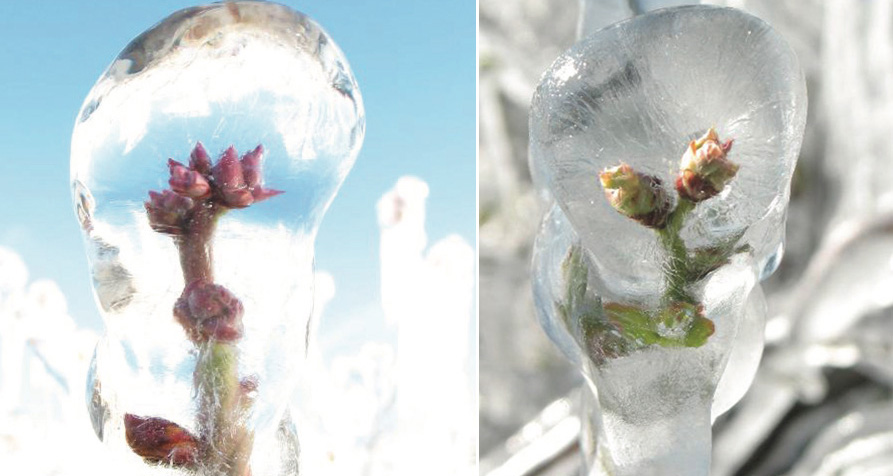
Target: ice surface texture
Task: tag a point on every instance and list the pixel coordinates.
(638, 92)
(235, 74)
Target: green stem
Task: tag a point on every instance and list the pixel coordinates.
(223, 411)
(676, 266)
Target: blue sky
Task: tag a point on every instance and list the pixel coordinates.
(414, 62)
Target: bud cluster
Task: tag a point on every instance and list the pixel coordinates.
(704, 171)
(209, 311)
(230, 183)
(614, 328)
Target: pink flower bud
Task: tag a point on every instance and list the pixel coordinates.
(157, 440)
(261, 194)
(251, 167)
(168, 211)
(188, 183)
(705, 170)
(230, 181)
(254, 176)
(209, 311)
(199, 159)
(638, 196)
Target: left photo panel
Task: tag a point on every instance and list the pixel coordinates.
(238, 238)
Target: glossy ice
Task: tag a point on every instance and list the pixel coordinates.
(235, 74)
(607, 286)
(637, 92)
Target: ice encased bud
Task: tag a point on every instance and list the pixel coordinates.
(666, 323)
(638, 196)
(655, 402)
(705, 169)
(737, 338)
(230, 76)
(638, 92)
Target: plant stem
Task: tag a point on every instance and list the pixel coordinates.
(222, 407)
(676, 266)
(196, 257)
(222, 411)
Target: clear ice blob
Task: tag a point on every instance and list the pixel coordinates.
(668, 142)
(202, 162)
(655, 399)
(596, 14)
(638, 92)
(553, 242)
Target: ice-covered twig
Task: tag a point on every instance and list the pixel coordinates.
(210, 314)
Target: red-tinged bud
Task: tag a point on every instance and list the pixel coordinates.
(251, 167)
(188, 183)
(705, 170)
(209, 311)
(260, 194)
(199, 159)
(158, 440)
(168, 211)
(230, 181)
(252, 171)
(638, 196)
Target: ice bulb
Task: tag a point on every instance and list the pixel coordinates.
(202, 162)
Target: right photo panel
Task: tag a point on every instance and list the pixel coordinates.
(685, 238)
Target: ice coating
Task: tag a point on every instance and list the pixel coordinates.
(596, 14)
(655, 403)
(252, 77)
(668, 142)
(235, 73)
(637, 92)
(741, 332)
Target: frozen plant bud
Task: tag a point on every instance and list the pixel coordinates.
(168, 211)
(209, 311)
(230, 181)
(636, 195)
(160, 441)
(705, 170)
(238, 182)
(199, 159)
(251, 166)
(188, 183)
(252, 173)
